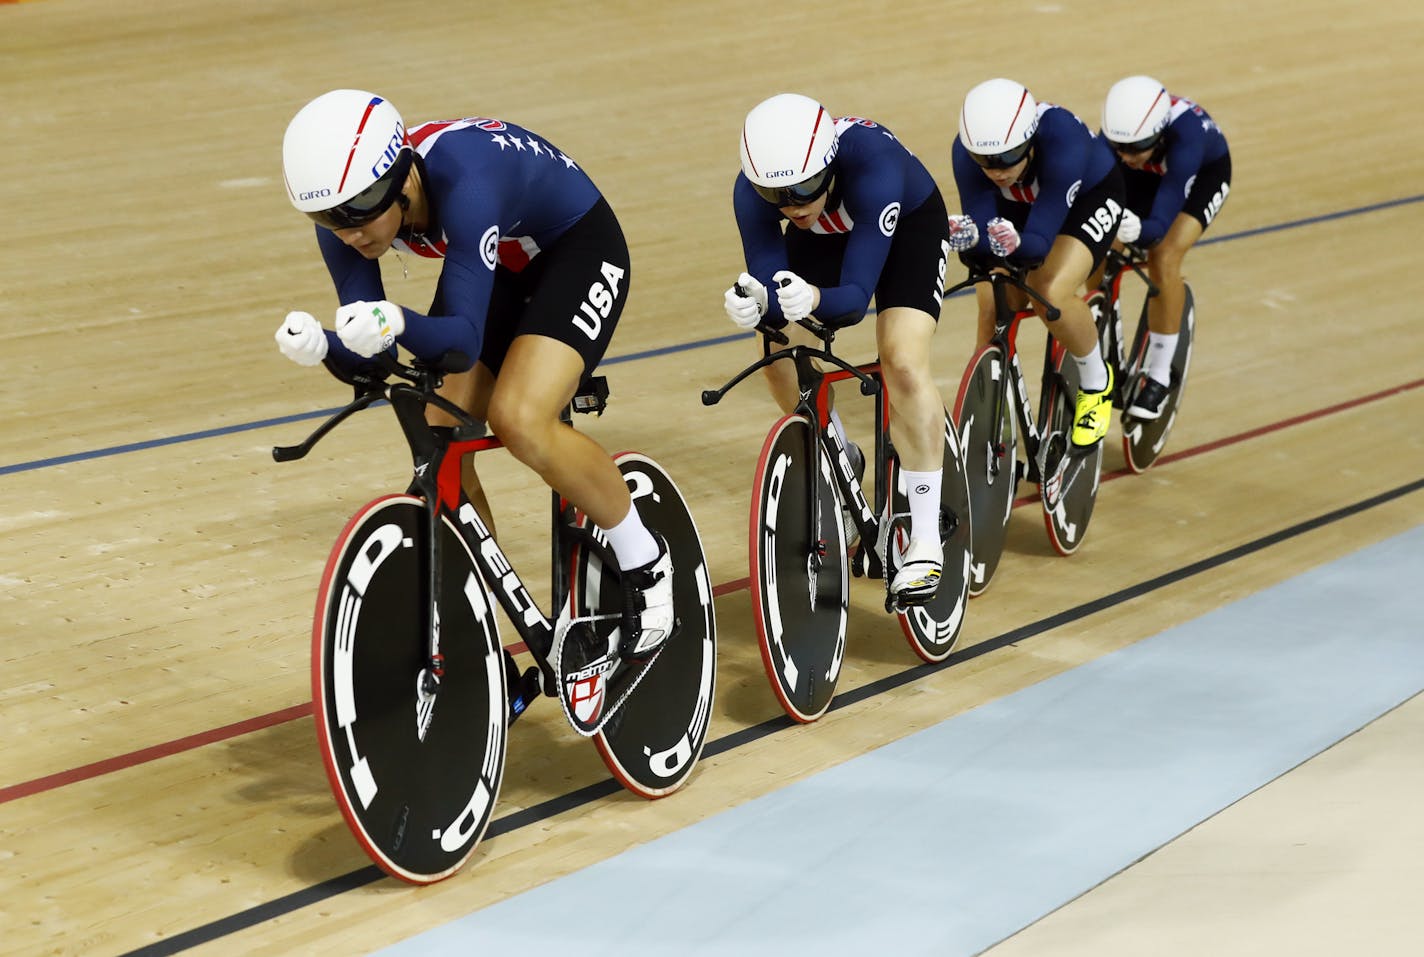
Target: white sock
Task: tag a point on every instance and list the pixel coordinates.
(1160, 350)
(1092, 372)
(634, 545)
(922, 489)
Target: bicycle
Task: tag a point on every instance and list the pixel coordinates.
(413, 693)
(991, 410)
(1142, 439)
(800, 588)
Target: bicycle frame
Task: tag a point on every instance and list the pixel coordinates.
(813, 387)
(436, 464)
(1119, 264)
(1006, 327)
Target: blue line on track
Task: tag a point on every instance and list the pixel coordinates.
(615, 360)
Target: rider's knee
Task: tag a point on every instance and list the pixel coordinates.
(518, 426)
(1165, 265)
(904, 368)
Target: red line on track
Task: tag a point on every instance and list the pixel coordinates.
(84, 773)
(179, 745)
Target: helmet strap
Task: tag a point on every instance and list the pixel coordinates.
(1028, 170)
(407, 231)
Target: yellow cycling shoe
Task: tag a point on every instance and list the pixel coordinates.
(1093, 414)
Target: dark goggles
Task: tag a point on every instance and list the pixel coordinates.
(1005, 159)
(371, 202)
(798, 194)
(1139, 146)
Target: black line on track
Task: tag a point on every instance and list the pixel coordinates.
(553, 807)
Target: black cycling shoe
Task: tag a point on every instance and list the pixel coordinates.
(1151, 395)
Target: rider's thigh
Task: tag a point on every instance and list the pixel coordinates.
(1063, 272)
(903, 336)
(536, 383)
(469, 390)
(1165, 259)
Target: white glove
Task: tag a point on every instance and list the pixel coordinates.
(963, 234)
(795, 295)
(300, 338)
(1003, 237)
(368, 328)
(746, 302)
(1129, 227)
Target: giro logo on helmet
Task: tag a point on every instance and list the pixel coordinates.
(314, 194)
(392, 150)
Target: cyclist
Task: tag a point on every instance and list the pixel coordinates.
(865, 218)
(1177, 169)
(534, 277)
(1048, 195)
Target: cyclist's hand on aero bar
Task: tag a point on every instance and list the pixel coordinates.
(795, 295)
(746, 301)
(367, 328)
(1003, 237)
(963, 233)
(301, 339)
(1129, 228)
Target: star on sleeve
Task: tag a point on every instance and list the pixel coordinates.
(534, 145)
(499, 138)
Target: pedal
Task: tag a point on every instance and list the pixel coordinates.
(898, 604)
(857, 562)
(592, 396)
(520, 689)
(523, 692)
(874, 568)
(948, 522)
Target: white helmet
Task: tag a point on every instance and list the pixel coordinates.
(788, 145)
(1136, 112)
(345, 158)
(997, 123)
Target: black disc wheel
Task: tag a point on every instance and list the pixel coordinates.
(988, 441)
(414, 760)
(933, 628)
(800, 583)
(1069, 474)
(1144, 439)
(653, 742)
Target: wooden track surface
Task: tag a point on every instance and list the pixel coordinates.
(163, 592)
